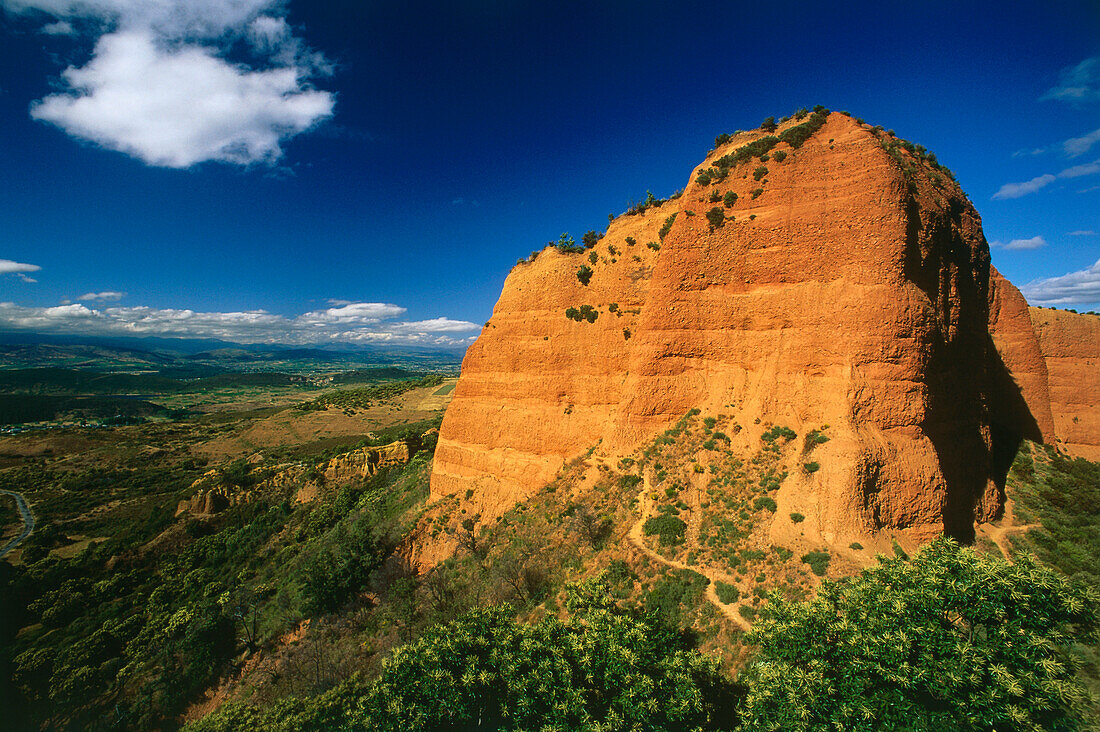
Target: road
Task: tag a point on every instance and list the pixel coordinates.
(637, 538)
(28, 522)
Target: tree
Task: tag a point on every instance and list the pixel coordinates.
(590, 239)
(584, 274)
(947, 640)
(768, 125)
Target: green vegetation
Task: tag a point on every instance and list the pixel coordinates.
(760, 172)
(778, 432)
(756, 193)
(591, 239)
(729, 199)
(797, 135)
(669, 529)
(779, 156)
(365, 397)
(567, 245)
(797, 518)
(585, 312)
(949, 640)
(727, 593)
(584, 274)
(818, 561)
(764, 502)
(716, 217)
(768, 125)
(666, 227)
(631, 241)
(722, 139)
(811, 467)
(653, 245)
(855, 545)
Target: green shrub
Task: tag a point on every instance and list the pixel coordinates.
(766, 502)
(797, 518)
(567, 245)
(669, 529)
(778, 432)
(676, 591)
(818, 561)
(631, 241)
(593, 257)
(729, 199)
(856, 546)
(760, 172)
(722, 139)
(748, 612)
(716, 217)
(811, 467)
(653, 245)
(779, 156)
(666, 227)
(704, 177)
(768, 125)
(591, 239)
(709, 422)
(756, 193)
(584, 274)
(797, 135)
(728, 594)
(586, 312)
(715, 196)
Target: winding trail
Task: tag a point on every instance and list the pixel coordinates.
(637, 538)
(28, 522)
(997, 534)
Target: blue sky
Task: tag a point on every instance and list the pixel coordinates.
(369, 172)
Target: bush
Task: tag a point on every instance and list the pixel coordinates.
(591, 239)
(756, 192)
(811, 467)
(716, 217)
(631, 241)
(676, 590)
(722, 139)
(653, 245)
(797, 518)
(768, 125)
(760, 172)
(709, 422)
(951, 640)
(818, 561)
(584, 274)
(567, 245)
(715, 196)
(779, 156)
(797, 135)
(667, 227)
(669, 529)
(729, 199)
(766, 502)
(586, 312)
(704, 177)
(856, 546)
(778, 432)
(728, 594)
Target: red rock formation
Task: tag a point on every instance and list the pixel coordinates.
(850, 291)
(1070, 344)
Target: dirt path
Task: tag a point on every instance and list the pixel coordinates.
(998, 534)
(28, 522)
(637, 537)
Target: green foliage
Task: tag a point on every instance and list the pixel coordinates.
(593, 257)
(818, 561)
(855, 545)
(797, 135)
(674, 593)
(631, 241)
(811, 467)
(716, 217)
(591, 239)
(760, 172)
(715, 196)
(339, 569)
(729, 199)
(722, 139)
(653, 245)
(768, 125)
(764, 502)
(567, 245)
(366, 396)
(948, 641)
(669, 529)
(797, 518)
(728, 594)
(756, 193)
(585, 312)
(778, 432)
(584, 274)
(779, 156)
(709, 422)
(666, 227)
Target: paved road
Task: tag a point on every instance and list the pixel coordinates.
(28, 522)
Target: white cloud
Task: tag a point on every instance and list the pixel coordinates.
(1082, 232)
(1069, 289)
(1080, 83)
(107, 296)
(25, 278)
(1080, 145)
(1079, 170)
(1029, 153)
(159, 88)
(1034, 242)
(60, 28)
(9, 267)
(1016, 190)
(351, 323)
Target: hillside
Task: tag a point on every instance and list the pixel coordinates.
(824, 273)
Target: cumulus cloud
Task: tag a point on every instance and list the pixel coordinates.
(1080, 145)
(362, 322)
(107, 296)
(1034, 242)
(159, 86)
(1074, 288)
(9, 267)
(1076, 84)
(1018, 190)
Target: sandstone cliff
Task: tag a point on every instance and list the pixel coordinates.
(848, 284)
(1070, 344)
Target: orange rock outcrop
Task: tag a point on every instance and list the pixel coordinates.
(848, 285)
(1070, 344)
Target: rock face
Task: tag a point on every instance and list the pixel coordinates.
(847, 285)
(1070, 344)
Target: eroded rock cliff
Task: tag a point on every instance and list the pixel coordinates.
(841, 279)
(1070, 344)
